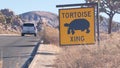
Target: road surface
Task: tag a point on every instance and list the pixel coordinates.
(15, 50)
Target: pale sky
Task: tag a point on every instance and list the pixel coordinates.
(22, 6)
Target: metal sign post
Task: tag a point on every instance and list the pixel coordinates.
(98, 20)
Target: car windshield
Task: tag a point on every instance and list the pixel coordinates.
(28, 24)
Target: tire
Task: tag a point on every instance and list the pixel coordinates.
(35, 35)
(22, 34)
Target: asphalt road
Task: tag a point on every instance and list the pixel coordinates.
(15, 50)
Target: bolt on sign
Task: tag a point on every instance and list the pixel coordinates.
(77, 26)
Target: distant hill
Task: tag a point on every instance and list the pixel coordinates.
(40, 16)
(7, 12)
(9, 21)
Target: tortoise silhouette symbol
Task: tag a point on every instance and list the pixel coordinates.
(78, 24)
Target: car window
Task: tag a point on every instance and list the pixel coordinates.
(29, 25)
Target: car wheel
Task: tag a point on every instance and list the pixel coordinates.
(22, 34)
(35, 35)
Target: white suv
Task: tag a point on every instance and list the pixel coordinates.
(28, 28)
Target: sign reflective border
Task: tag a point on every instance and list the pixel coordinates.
(77, 26)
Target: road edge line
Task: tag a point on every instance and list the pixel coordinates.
(30, 59)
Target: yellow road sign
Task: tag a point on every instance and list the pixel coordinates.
(77, 26)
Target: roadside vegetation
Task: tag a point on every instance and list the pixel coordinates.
(50, 35)
(3, 30)
(107, 55)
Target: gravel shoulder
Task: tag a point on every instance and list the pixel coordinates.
(45, 56)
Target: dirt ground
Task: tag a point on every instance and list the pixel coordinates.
(45, 56)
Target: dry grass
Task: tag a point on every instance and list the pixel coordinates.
(107, 55)
(50, 35)
(3, 31)
(7, 31)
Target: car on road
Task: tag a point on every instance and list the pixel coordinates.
(29, 28)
